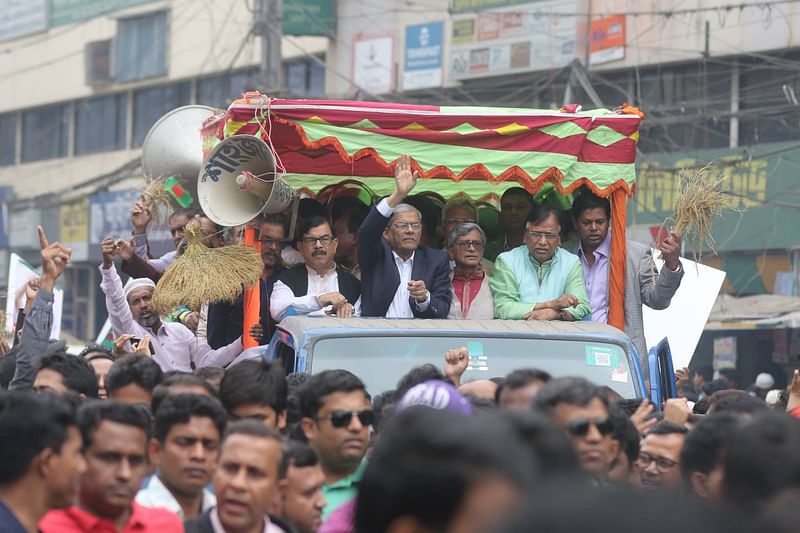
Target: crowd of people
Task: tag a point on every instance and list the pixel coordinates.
(178, 429)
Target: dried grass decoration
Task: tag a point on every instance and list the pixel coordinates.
(158, 199)
(207, 275)
(700, 199)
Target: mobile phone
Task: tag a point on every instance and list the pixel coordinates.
(135, 343)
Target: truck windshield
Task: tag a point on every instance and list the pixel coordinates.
(381, 361)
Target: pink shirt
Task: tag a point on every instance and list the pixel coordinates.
(175, 346)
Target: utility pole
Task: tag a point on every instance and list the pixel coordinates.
(269, 25)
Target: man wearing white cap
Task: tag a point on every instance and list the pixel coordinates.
(764, 383)
(130, 311)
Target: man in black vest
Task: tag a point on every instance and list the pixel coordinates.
(318, 286)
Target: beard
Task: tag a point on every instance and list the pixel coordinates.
(148, 321)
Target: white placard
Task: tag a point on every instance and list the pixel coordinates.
(19, 272)
(373, 64)
(683, 321)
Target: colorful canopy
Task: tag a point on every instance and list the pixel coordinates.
(348, 139)
(329, 139)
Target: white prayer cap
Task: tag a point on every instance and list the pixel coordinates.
(136, 284)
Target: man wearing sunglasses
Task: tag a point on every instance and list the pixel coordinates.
(318, 286)
(581, 409)
(337, 414)
(539, 280)
(401, 278)
(472, 297)
(659, 462)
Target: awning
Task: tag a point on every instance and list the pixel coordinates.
(762, 311)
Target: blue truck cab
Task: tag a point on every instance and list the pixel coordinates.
(380, 351)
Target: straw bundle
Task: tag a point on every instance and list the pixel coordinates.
(157, 198)
(700, 199)
(207, 275)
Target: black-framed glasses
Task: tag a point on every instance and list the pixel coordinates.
(663, 464)
(342, 419)
(538, 235)
(402, 226)
(325, 240)
(464, 245)
(269, 243)
(580, 427)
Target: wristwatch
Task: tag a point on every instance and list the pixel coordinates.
(564, 315)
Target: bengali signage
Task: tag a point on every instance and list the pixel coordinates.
(520, 38)
(373, 64)
(761, 184)
(74, 227)
(607, 40)
(309, 17)
(423, 56)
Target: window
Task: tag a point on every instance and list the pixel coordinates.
(140, 48)
(219, 91)
(150, 104)
(100, 124)
(304, 78)
(8, 138)
(768, 95)
(45, 133)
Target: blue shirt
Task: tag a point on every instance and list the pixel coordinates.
(9, 522)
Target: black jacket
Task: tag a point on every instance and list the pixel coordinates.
(202, 524)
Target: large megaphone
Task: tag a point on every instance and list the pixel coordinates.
(238, 182)
(174, 146)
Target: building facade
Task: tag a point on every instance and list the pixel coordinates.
(84, 80)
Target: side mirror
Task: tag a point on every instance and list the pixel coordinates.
(662, 373)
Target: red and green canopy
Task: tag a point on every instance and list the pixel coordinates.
(324, 141)
(319, 142)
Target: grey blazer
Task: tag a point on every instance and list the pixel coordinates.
(644, 285)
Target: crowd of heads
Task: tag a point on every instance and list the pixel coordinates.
(427, 455)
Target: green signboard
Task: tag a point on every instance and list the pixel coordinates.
(464, 6)
(68, 11)
(761, 182)
(309, 17)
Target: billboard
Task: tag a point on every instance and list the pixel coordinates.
(373, 63)
(423, 56)
(607, 40)
(309, 17)
(68, 11)
(22, 17)
(109, 215)
(74, 226)
(521, 38)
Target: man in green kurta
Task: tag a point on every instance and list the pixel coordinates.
(539, 280)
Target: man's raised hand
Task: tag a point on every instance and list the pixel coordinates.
(456, 362)
(109, 249)
(141, 216)
(55, 258)
(404, 180)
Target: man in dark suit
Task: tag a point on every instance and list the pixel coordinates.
(226, 320)
(318, 286)
(400, 278)
(245, 483)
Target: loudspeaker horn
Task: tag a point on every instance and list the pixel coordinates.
(174, 146)
(238, 182)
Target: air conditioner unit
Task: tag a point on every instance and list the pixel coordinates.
(98, 63)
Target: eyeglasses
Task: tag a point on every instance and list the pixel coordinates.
(458, 221)
(269, 243)
(341, 419)
(325, 240)
(663, 464)
(402, 226)
(580, 427)
(464, 245)
(538, 236)
(174, 231)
